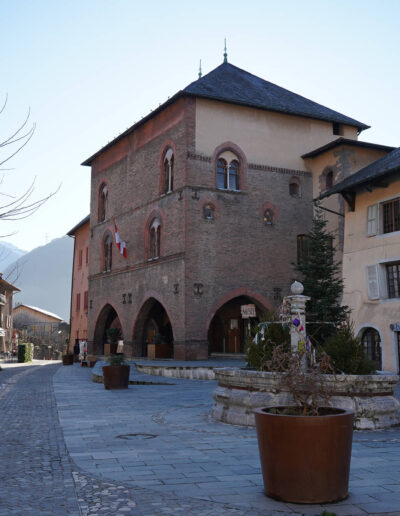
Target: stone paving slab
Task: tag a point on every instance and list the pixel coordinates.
(159, 443)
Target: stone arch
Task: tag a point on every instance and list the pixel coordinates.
(226, 330)
(152, 329)
(106, 318)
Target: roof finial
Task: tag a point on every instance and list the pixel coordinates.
(225, 54)
(200, 74)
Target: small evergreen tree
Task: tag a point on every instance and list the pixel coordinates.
(321, 276)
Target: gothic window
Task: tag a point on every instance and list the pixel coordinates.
(102, 203)
(154, 240)
(208, 211)
(227, 174)
(371, 342)
(268, 217)
(107, 250)
(168, 171)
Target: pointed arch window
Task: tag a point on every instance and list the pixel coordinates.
(107, 251)
(102, 203)
(228, 174)
(169, 171)
(154, 240)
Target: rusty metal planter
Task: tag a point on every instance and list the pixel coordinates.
(305, 459)
(116, 377)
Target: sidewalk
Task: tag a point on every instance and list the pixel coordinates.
(161, 439)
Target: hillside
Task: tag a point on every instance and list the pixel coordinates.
(44, 277)
(9, 254)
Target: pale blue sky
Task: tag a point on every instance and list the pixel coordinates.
(90, 69)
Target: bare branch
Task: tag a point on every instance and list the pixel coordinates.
(11, 138)
(27, 137)
(4, 104)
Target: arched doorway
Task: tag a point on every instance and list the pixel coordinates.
(228, 330)
(372, 346)
(153, 334)
(108, 318)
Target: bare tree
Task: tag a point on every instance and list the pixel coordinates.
(23, 205)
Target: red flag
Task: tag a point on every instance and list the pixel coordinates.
(120, 243)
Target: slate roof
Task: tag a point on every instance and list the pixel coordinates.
(228, 83)
(372, 172)
(346, 141)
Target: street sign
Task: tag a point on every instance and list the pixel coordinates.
(248, 311)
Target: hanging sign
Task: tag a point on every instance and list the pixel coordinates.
(248, 311)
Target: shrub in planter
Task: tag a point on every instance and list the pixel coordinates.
(113, 334)
(25, 352)
(305, 448)
(116, 375)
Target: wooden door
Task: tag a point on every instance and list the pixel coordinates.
(233, 336)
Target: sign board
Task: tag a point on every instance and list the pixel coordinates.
(248, 311)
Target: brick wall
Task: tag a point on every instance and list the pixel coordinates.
(203, 262)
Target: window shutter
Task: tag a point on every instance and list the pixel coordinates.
(372, 220)
(372, 282)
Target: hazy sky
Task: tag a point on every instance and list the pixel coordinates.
(88, 69)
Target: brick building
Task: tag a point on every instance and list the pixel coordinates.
(212, 194)
(79, 285)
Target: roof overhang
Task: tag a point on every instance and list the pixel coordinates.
(346, 141)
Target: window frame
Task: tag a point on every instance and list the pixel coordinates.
(373, 350)
(154, 250)
(228, 172)
(393, 287)
(102, 201)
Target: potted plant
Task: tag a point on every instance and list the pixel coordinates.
(67, 357)
(116, 375)
(305, 447)
(113, 335)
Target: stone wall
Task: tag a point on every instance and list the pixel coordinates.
(240, 391)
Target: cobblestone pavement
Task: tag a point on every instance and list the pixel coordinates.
(69, 447)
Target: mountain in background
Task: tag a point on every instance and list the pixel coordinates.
(9, 254)
(44, 277)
